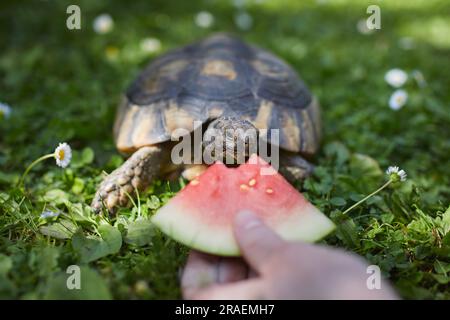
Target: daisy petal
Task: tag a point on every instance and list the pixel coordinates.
(204, 19)
(5, 110)
(396, 77)
(63, 155)
(103, 24)
(396, 174)
(398, 99)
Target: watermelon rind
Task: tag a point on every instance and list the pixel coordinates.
(306, 224)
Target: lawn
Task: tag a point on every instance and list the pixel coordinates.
(64, 85)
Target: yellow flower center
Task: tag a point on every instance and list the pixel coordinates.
(394, 177)
(112, 52)
(61, 154)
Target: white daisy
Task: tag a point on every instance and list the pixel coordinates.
(150, 45)
(396, 174)
(396, 77)
(398, 99)
(49, 214)
(63, 155)
(103, 23)
(204, 19)
(243, 20)
(5, 110)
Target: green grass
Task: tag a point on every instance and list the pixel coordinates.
(62, 86)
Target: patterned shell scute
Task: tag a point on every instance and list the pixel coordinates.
(219, 76)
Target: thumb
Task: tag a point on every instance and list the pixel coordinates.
(256, 240)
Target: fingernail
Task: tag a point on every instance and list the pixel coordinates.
(247, 219)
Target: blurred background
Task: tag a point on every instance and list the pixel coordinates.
(65, 84)
(61, 85)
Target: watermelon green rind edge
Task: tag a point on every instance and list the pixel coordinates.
(307, 224)
(179, 225)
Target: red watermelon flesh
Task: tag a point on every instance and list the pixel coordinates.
(201, 215)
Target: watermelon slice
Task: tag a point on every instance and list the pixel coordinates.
(201, 215)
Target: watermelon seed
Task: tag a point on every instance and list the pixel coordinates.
(244, 187)
(269, 191)
(252, 182)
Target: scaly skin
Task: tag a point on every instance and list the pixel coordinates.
(226, 135)
(294, 167)
(148, 163)
(135, 173)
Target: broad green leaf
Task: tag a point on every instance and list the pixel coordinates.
(446, 221)
(87, 156)
(337, 201)
(78, 186)
(441, 267)
(93, 248)
(5, 264)
(63, 229)
(92, 286)
(362, 165)
(140, 232)
(45, 260)
(441, 278)
(80, 159)
(153, 202)
(8, 177)
(111, 237)
(114, 162)
(387, 217)
(338, 150)
(347, 232)
(56, 196)
(446, 239)
(81, 212)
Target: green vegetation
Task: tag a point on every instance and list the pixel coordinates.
(64, 85)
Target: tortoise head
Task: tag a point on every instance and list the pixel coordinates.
(229, 140)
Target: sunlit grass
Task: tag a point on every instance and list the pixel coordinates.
(434, 31)
(65, 85)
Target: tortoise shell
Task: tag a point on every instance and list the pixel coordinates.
(219, 76)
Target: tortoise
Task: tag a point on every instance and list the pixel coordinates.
(220, 83)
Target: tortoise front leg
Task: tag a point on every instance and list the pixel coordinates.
(294, 167)
(135, 173)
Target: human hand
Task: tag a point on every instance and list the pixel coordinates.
(272, 268)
